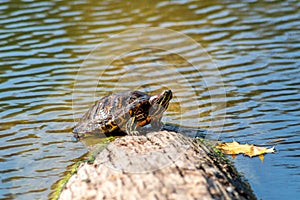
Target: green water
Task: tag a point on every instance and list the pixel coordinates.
(254, 44)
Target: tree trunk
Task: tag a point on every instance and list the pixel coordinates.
(161, 165)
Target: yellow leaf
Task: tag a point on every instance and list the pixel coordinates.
(261, 157)
(250, 150)
(233, 156)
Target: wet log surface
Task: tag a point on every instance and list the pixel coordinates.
(161, 165)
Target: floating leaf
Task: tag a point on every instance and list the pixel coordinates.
(250, 150)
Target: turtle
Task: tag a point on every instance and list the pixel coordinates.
(124, 113)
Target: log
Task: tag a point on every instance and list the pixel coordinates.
(160, 165)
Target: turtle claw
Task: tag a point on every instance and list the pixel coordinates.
(134, 133)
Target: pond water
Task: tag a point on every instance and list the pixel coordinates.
(253, 58)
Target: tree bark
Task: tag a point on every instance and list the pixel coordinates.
(161, 165)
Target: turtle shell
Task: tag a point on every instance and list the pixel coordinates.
(119, 113)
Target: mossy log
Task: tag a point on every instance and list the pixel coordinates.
(161, 165)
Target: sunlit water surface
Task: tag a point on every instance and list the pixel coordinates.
(255, 45)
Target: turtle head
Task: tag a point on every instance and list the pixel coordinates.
(150, 111)
(161, 101)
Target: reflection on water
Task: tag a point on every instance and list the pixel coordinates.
(42, 45)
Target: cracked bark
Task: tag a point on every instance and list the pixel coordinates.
(161, 165)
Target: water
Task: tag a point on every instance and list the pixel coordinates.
(255, 45)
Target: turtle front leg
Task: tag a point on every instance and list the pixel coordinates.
(156, 123)
(131, 127)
